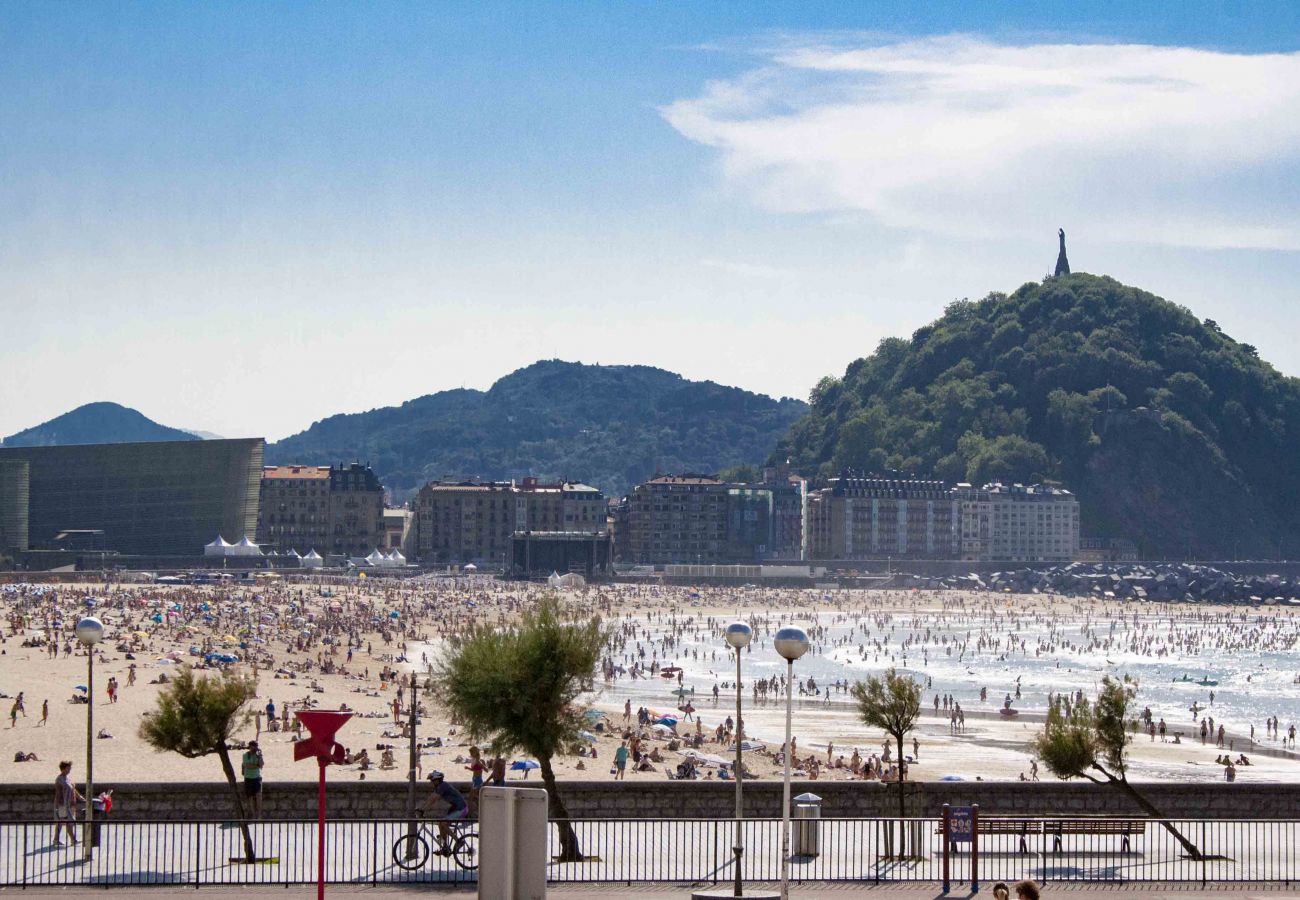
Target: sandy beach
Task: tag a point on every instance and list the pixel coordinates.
(326, 646)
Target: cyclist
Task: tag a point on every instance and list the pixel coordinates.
(459, 809)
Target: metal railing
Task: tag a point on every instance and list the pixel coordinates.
(674, 850)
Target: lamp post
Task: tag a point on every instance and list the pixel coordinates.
(791, 643)
(89, 631)
(738, 635)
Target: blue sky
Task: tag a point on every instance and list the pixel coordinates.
(244, 217)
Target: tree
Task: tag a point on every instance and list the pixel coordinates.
(1094, 738)
(517, 688)
(893, 704)
(196, 717)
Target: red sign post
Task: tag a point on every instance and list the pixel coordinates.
(321, 725)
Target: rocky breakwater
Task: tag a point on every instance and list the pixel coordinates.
(1124, 581)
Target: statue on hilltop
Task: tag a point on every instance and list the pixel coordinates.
(1062, 264)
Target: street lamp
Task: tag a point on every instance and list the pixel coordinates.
(738, 635)
(791, 643)
(90, 631)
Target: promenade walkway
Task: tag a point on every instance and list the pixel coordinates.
(807, 891)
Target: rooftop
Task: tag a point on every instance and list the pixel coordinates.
(296, 472)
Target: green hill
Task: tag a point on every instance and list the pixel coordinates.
(1173, 434)
(610, 426)
(97, 423)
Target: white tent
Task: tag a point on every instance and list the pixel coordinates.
(377, 559)
(396, 558)
(219, 547)
(245, 548)
(294, 553)
(569, 580)
(312, 560)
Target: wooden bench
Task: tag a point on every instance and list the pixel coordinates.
(1058, 828)
(1122, 827)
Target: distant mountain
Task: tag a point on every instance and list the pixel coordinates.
(1172, 434)
(203, 435)
(97, 423)
(609, 426)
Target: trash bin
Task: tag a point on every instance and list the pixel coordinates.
(807, 836)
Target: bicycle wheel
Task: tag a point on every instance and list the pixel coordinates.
(465, 851)
(411, 852)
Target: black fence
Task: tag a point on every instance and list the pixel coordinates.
(676, 850)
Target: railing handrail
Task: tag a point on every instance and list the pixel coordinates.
(1000, 816)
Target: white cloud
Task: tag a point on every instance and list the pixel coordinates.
(961, 136)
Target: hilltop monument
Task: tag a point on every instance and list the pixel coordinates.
(1062, 264)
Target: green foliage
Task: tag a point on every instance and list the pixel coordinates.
(517, 687)
(1093, 737)
(197, 716)
(609, 426)
(891, 703)
(745, 474)
(1048, 383)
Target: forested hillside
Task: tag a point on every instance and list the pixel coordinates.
(610, 426)
(1172, 433)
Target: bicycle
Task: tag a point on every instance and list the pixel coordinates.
(411, 851)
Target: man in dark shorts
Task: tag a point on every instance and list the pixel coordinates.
(252, 766)
(459, 809)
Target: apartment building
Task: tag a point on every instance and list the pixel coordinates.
(474, 522)
(1018, 523)
(882, 517)
(335, 510)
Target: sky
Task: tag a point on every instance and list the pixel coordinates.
(242, 218)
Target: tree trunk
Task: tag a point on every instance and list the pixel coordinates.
(1150, 810)
(902, 801)
(569, 850)
(224, 753)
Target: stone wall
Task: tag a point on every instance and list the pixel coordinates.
(672, 799)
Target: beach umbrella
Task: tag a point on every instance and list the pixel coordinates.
(156, 617)
(588, 736)
(394, 614)
(661, 729)
(666, 720)
(82, 687)
(593, 715)
(524, 765)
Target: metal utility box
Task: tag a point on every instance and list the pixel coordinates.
(807, 829)
(512, 843)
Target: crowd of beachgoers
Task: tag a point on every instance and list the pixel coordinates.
(1216, 683)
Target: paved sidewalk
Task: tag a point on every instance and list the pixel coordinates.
(806, 891)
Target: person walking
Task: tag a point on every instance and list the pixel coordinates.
(66, 798)
(251, 764)
(620, 761)
(45, 712)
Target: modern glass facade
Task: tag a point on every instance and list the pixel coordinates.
(165, 498)
(14, 490)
